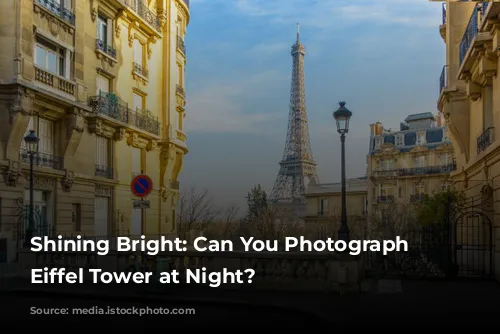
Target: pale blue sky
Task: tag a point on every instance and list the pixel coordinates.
(383, 57)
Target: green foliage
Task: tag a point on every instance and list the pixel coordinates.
(435, 209)
(257, 202)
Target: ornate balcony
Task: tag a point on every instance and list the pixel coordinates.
(385, 199)
(145, 13)
(180, 91)
(57, 8)
(186, 2)
(107, 49)
(104, 171)
(139, 69)
(110, 105)
(443, 79)
(485, 140)
(42, 159)
(55, 81)
(180, 45)
(472, 29)
(443, 169)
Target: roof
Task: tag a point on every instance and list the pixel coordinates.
(352, 185)
(418, 117)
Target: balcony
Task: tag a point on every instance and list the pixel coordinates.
(429, 170)
(144, 13)
(472, 29)
(180, 45)
(104, 48)
(385, 173)
(443, 79)
(186, 2)
(485, 140)
(104, 171)
(55, 81)
(110, 105)
(142, 71)
(57, 8)
(42, 160)
(180, 91)
(417, 197)
(385, 199)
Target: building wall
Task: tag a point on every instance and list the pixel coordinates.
(470, 101)
(80, 172)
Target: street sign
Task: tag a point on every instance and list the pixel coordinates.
(141, 185)
(142, 204)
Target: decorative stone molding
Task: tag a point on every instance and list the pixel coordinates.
(120, 134)
(151, 145)
(133, 140)
(94, 9)
(95, 126)
(75, 121)
(68, 181)
(55, 24)
(131, 34)
(22, 103)
(103, 191)
(12, 173)
(42, 183)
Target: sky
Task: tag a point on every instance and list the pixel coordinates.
(383, 57)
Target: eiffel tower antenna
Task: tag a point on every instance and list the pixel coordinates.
(297, 167)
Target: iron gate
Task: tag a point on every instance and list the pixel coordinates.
(42, 227)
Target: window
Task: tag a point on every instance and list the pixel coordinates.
(400, 192)
(419, 161)
(44, 129)
(420, 138)
(101, 215)
(138, 53)
(103, 84)
(444, 159)
(386, 190)
(418, 188)
(387, 164)
(51, 58)
(399, 140)
(180, 75)
(66, 4)
(487, 107)
(136, 161)
(76, 217)
(102, 151)
(322, 207)
(102, 30)
(138, 101)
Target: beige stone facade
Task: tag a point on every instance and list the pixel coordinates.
(404, 166)
(470, 100)
(102, 84)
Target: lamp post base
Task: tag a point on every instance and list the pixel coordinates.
(27, 238)
(343, 234)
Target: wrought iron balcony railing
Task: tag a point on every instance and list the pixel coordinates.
(42, 159)
(145, 13)
(110, 105)
(139, 69)
(180, 45)
(443, 79)
(104, 171)
(443, 169)
(107, 49)
(57, 8)
(485, 140)
(417, 197)
(472, 29)
(180, 90)
(444, 13)
(385, 199)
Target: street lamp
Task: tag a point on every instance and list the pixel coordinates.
(342, 117)
(31, 141)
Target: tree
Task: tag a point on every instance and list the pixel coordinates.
(436, 208)
(196, 211)
(257, 203)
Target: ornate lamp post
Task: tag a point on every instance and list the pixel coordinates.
(31, 141)
(342, 117)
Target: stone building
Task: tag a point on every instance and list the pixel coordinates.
(102, 85)
(405, 165)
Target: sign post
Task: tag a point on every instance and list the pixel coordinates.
(141, 186)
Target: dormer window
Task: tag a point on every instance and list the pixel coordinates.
(399, 140)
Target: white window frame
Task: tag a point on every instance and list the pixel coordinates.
(136, 161)
(103, 29)
(386, 190)
(103, 151)
(138, 52)
(136, 97)
(100, 84)
(63, 57)
(419, 161)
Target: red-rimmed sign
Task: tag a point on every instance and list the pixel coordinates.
(141, 185)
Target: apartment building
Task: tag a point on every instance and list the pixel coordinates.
(102, 85)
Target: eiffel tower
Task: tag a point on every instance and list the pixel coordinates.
(297, 168)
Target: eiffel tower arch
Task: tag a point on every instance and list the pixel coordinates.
(297, 167)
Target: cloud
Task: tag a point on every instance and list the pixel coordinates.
(218, 107)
